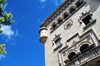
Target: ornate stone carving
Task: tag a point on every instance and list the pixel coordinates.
(68, 24)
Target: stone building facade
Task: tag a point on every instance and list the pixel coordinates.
(71, 34)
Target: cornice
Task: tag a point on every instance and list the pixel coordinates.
(56, 12)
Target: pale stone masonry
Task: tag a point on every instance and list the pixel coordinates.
(71, 35)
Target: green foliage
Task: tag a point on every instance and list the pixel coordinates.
(2, 49)
(5, 19)
(11, 22)
(2, 19)
(7, 15)
(3, 2)
(1, 9)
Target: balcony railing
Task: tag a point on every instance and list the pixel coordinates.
(84, 58)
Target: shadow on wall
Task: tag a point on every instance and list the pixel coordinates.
(92, 3)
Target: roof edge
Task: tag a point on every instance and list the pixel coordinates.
(57, 10)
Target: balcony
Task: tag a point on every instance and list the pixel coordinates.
(84, 58)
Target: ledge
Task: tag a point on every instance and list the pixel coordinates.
(58, 46)
(63, 48)
(69, 16)
(57, 10)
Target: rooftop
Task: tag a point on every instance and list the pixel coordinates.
(47, 21)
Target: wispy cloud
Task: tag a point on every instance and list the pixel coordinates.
(9, 34)
(7, 30)
(57, 2)
(2, 56)
(54, 2)
(42, 1)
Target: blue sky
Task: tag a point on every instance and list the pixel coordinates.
(22, 38)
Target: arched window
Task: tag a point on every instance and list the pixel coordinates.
(54, 25)
(79, 3)
(72, 55)
(72, 9)
(84, 48)
(71, 1)
(65, 15)
(60, 20)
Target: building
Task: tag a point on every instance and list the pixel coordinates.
(71, 35)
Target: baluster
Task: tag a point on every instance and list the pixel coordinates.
(95, 51)
(98, 50)
(89, 56)
(79, 60)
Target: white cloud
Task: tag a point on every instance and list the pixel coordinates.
(56, 2)
(2, 56)
(42, 1)
(7, 30)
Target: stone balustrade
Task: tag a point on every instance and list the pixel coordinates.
(84, 58)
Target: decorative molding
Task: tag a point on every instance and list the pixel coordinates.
(69, 16)
(59, 10)
(68, 24)
(56, 37)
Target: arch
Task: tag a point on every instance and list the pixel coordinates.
(72, 55)
(82, 43)
(54, 25)
(72, 9)
(84, 48)
(79, 3)
(71, 1)
(65, 15)
(59, 20)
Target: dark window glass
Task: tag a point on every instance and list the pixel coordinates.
(72, 56)
(84, 48)
(60, 20)
(72, 9)
(87, 20)
(58, 41)
(79, 3)
(65, 15)
(54, 26)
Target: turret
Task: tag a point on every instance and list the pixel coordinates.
(43, 35)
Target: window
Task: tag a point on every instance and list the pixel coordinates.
(86, 20)
(54, 25)
(58, 41)
(65, 15)
(84, 48)
(72, 9)
(72, 56)
(60, 20)
(79, 3)
(71, 1)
